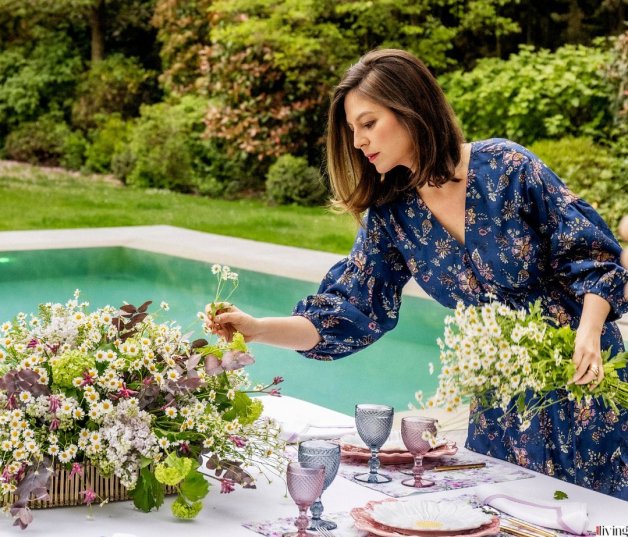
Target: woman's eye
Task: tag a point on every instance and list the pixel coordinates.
(369, 124)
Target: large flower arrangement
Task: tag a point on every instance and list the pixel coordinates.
(500, 355)
(115, 389)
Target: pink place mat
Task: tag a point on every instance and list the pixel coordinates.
(495, 471)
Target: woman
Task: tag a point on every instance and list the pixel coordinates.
(464, 220)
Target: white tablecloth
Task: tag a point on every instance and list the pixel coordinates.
(223, 514)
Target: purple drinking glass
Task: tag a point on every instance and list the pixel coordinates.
(305, 485)
(415, 432)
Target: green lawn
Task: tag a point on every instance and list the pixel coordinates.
(39, 198)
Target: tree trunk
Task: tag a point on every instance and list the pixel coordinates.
(97, 25)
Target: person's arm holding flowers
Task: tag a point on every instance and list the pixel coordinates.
(584, 256)
(587, 355)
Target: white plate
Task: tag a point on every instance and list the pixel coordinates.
(394, 442)
(429, 515)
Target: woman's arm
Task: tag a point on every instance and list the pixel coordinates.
(296, 332)
(588, 352)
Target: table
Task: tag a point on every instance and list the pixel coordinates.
(223, 514)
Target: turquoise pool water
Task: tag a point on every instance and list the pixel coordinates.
(388, 372)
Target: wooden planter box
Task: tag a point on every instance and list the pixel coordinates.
(65, 492)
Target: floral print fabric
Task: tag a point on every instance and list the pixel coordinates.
(527, 237)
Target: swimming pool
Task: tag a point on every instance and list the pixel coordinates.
(388, 372)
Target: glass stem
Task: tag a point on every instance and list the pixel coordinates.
(417, 470)
(301, 523)
(373, 465)
(317, 510)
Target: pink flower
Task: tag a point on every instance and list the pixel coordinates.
(76, 469)
(53, 403)
(54, 424)
(125, 392)
(277, 380)
(88, 380)
(89, 494)
(32, 343)
(238, 441)
(274, 392)
(226, 486)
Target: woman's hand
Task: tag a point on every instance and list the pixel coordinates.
(588, 357)
(227, 320)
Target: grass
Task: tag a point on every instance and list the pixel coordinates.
(51, 198)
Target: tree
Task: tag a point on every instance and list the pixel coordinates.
(105, 20)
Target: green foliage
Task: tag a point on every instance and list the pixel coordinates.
(274, 63)
(291, 180)
(183, 30)
(115, 85)
(534, 95)
(194, 487)
(244, 408)
(36, 78)
(148, 493)
(167, 150)
(48, 141)
(111, 137)
(592, 171)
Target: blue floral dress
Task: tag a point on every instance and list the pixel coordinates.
(527, 237)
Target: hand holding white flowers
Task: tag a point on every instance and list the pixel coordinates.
(499, 355)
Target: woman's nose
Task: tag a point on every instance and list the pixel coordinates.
(358, 140)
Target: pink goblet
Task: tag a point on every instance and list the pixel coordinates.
(305, 485)
(415, 432)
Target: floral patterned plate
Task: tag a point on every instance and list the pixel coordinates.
(363, 520)
(429, 515)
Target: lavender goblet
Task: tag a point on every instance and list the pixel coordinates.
(305, 484)
(373, 423)
(415, 432)
(327, 454)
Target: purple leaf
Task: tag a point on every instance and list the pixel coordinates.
(233, 360)
(212, 365)
(22, 516)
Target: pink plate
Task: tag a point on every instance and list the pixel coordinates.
(364, 522)
(397, 457)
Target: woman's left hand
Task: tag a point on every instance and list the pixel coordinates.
(588, 357)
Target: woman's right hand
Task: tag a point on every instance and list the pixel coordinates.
(228, 320)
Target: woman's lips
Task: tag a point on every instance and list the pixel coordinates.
(372, 156)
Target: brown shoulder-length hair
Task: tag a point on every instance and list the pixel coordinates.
(398, 80)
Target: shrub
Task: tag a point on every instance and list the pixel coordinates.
(167, 150)
(47, 140)
(291, 180)
(110, 137)
(592, 171)
(117, 84)
(534, 95)
(36, 78)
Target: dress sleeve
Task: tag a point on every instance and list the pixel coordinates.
(359, 298)
(583, 252)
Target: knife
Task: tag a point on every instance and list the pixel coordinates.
(469, 466)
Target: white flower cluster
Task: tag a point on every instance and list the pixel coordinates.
(481, 353)
(73, 388)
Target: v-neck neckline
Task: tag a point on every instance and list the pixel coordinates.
(430, 215)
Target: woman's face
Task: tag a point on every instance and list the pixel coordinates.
(378, 133)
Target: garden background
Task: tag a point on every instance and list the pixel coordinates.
(210, 115)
